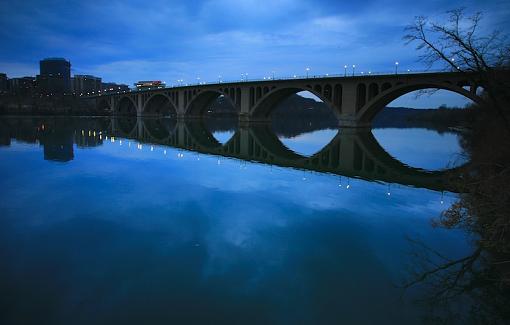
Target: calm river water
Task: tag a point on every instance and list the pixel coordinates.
(126, 221)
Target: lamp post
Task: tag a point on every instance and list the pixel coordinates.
(396, 67)
(307, 71)
(219, 79)
(345, 70)
(353, 67)
(273, 74)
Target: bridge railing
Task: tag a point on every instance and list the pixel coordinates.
(346, 74)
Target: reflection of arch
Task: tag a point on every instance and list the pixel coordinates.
(126, 106)
(268, 102)
(160, 129)
(203, 99)
(203, 136)
(159, 104)
(362, 157)
(387, 95)
(125, 126)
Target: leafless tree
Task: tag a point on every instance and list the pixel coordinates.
(459, 44)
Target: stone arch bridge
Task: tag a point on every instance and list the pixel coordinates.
(351, 153)
(354, 100)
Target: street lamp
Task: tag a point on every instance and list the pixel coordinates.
(307, 71)
(219, 79)
(396, 67)
(273, 74)
(345, 70)
(198, 79)
(353, 67)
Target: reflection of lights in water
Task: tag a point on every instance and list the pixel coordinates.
(82, 132)
(152, 148)
(164, 152)
(129, 144)
(120, 142)
(100, 137)
(90, 133)
(442, 195)
(389, 190)
(94, 133)
(106, 138)
(219, 162)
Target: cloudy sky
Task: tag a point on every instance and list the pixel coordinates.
(126, 41)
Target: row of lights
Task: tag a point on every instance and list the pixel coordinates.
(244, 76)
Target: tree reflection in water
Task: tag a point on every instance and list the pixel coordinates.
(480, 280)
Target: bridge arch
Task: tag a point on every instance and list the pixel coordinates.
(125, 106)
(159, 104)
(389, 93)
(263, 109)
(199, 103)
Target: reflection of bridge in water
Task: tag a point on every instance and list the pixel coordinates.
(352, 152)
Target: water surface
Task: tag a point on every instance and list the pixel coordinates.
(154, 222)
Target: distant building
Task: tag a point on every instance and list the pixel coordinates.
(151, 84)
(54, 76)
(114, 87)
(83, 84)
(4, 83)
(22, 86)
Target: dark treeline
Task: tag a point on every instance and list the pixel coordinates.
(18, 104)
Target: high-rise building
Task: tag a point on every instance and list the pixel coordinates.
(83, 84)
(22, 86)
(54, 76)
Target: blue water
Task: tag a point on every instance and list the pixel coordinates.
(122, 230)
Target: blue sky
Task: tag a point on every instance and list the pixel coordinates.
(126, 41)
